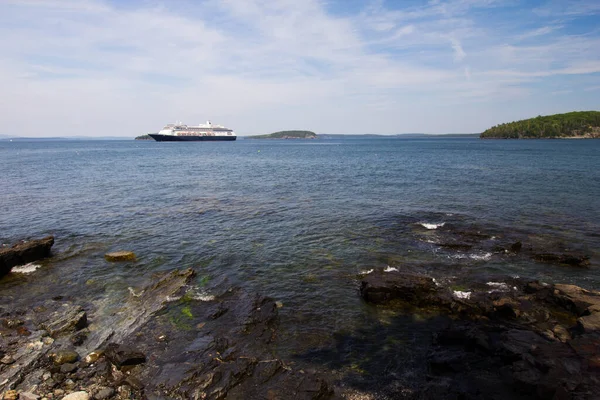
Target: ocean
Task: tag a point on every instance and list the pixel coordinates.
(298, 220)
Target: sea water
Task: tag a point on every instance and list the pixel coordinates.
(297, 220)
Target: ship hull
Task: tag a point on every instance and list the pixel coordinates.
(171, 138)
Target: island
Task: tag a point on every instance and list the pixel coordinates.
(143, 137)
(576, 125)
(286, 135)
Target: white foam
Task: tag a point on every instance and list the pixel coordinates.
(200, 295)
(481, 257)
(26, 269)
(366, 272)
(498, 285)
(428, 225)
(390, 269)
(436, 282)
(462, 295)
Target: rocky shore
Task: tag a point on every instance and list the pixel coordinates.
(507, 339)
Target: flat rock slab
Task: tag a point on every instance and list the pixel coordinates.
(24, 252)
(120, 256)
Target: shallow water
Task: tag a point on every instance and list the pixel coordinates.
(296, 220)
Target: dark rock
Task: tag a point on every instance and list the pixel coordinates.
(122, 356)
(515, 247)
(24, 252)
(382, 287)
(104, 393)
(78, 338)
(566, 259)
(68, 368)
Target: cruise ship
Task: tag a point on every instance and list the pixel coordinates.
(183, 133)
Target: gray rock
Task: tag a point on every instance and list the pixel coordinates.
(104, 393)
(28, 396)
(72, 319)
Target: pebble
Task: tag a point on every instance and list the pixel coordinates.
(7, 360)
(64, 356)
(93, 356)
(77, 396)
(11, 395)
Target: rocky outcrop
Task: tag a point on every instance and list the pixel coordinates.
(525, 340)
(24, 252)
(161, 344)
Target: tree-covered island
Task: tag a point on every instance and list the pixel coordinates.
(286, 135)
(578, 124)
(144, 137)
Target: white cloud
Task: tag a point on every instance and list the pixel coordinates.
(88, 67)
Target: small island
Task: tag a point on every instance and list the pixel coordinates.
(143, 137)
(575, 125)
(286, 135)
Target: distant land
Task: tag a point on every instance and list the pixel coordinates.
(402, 135)
(575, 125)
(143, 137)
(286, 135)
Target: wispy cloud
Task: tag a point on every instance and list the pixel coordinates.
(127, 67)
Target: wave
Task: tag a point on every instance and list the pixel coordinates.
(390, 269)
(431, 226)
(26, 269)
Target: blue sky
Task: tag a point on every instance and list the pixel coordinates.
(123, 68)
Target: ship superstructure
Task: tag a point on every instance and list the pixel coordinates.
(181, 132)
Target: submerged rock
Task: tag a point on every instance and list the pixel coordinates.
(575, 260)
(24, 252)
(380, 288)
(533, 341)
(120, 256)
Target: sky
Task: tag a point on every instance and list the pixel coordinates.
(128, 67)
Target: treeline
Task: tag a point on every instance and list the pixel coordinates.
(573, 124)
(286, 135)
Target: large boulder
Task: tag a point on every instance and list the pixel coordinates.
(24, 252)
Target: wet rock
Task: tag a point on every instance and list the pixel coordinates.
(77, 396)
(24, 252)
(69, 319)
(121, 355)
(118, 256)
(61, 357)
(565, 259)
(575, 299)
(379, 288)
